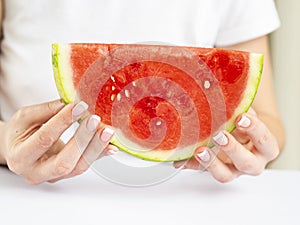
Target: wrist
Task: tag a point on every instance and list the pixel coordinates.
(2, 158)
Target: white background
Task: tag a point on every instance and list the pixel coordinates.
(286, 64)
(188, 198)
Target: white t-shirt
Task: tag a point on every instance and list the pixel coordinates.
(29, 28)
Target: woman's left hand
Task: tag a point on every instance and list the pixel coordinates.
(247, 150)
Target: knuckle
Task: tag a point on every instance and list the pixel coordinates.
(225, 178)
(44, 139)
(65, 120)
(230, 148)
(252, 168)
(51, 107)
(32, 181)
(22, 113)
(79, 170)
(266, 136)
(62, 168)
(247, 166)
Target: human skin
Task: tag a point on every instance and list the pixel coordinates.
(247, 150)
(259, 135)
(30, 142)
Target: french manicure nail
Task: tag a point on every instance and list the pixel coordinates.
(244, 122)
(221, 139)
(93, 123)
(204, 156)
(107, 134)
(79, 109)
(178, 165)
(113, 151)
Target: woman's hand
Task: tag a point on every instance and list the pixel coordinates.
(31, 145)
(247, 150)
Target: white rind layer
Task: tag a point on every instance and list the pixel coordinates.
(158, 155)
(63, 71)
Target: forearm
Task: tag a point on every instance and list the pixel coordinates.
(265, 103)
(275, 125)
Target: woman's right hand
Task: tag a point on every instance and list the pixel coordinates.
(31, 147)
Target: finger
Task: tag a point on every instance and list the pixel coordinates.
(241, 137)
(55, 149)
(224, 158)
(109, 150)
(219, 170)
(259, 134)
(244, 160)
(191, 163)
(38, 114)
(49, 133)
(179, 164)
(95, 150)
(65, 161)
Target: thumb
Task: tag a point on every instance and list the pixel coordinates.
(40, 113)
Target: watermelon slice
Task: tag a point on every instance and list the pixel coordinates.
(163, 101)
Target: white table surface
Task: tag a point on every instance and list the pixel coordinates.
(188, 198)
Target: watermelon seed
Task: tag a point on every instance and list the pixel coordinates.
(158, 123)
(112, 97)
(206, 84)
(112, 78)
(113, 88)
(119, 97)
(127, 93)
(133, 83)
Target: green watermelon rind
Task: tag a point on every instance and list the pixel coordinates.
(62, 70)
(61, 66)
(256, 66)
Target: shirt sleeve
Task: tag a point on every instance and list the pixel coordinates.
(243, 20)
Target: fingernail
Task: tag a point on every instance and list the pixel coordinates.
(244, 122)
(204, 156)
(93, 123)
(107, 134)
(179, 165)
(221, 138)
(60, 103)
(79, 109)
(113, 150)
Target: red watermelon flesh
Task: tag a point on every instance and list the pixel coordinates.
(163, 101)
